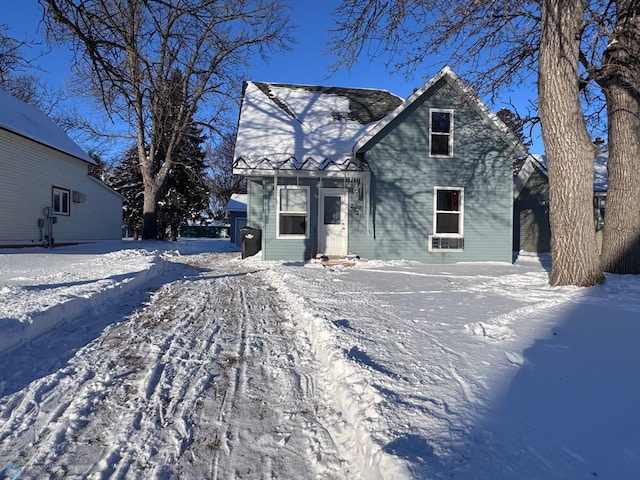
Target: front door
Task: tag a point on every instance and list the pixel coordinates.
(332, 221)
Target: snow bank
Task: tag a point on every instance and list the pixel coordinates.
(41, 289)
(351, 395)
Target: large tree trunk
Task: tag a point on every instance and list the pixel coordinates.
(621, 236)
(150, 212)
(568, 147)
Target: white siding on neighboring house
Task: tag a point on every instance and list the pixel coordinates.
(28, 172)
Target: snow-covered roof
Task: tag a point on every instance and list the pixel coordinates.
(30, 122)
(600, 173)
(303, 127)
(530, 165)
(539, 162)
(446, 71)
(237, 203)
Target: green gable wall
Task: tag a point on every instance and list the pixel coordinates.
(404, 176)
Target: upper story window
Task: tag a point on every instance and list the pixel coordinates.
(293, 212)
(441, 133)
(60, 200)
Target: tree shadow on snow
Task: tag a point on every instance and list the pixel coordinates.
(363, 358)
(570, 408)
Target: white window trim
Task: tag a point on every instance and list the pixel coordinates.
(278, 212)
(59, 190)
(441, 110)
(460, 233)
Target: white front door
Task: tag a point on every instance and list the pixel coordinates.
(332, 221)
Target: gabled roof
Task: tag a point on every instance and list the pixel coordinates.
(237, 203)
(371, 136)
(29, 122)
(539, 163)
(303, 127)
(530, 165)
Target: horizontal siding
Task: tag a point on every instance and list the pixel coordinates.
(403, 180)
(400, 218)
(296, 249)
(254, 204)
(532, 232)
(28, 171)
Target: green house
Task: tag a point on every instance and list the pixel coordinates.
(337, 171)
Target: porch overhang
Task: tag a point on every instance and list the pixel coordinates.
(292, 167)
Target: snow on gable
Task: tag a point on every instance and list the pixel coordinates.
(539, 162)
(446, 72)
(298, 127)
(530, 165)
(237, 202)
(28, 121)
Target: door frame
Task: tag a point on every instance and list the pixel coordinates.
(322, 234)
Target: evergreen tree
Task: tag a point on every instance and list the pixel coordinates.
(516, 124)
(126, 179)
(184, 197)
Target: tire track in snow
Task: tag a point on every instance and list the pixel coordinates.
(287, 422)
(151, 396)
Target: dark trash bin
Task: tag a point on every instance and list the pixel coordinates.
(250, 241)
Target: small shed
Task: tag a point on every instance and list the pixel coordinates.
(237, 208)
(531, 228)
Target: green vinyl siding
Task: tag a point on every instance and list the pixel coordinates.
(531, 230)
(293, 249)
(404, 176)
(254, 203)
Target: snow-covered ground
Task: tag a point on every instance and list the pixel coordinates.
(180, 360)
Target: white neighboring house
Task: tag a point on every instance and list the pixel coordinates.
(45, 186)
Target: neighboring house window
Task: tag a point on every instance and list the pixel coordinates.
(448, 219)
(441, 133)
(60, 200)
(293, 211)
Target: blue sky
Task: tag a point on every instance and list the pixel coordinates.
(306, 63)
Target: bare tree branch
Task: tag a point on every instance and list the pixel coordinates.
(131, 49)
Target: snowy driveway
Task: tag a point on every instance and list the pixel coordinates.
(251, 370)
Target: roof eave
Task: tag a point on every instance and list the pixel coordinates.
(380, 126)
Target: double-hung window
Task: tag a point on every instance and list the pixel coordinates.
(293, 211)
(448, 219)
(441, 133)
(60, 200)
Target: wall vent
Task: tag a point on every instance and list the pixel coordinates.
(79, 197)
